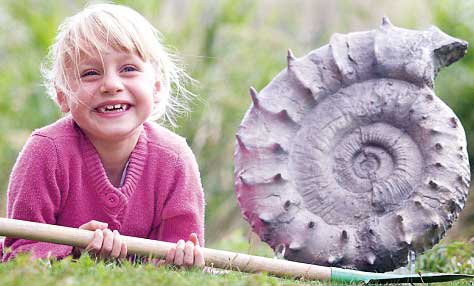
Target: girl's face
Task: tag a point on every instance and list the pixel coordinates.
(114, 96)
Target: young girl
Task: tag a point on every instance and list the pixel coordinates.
(105, 166)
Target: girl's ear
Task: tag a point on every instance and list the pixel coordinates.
(62, 101)
(156, 92)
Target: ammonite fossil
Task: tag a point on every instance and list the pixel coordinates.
(348, 158)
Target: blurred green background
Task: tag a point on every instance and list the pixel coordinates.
(227, 46)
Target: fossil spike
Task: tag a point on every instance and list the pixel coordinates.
(386, 22)
(446, 49)
(463, 180)
(278, 178)
(253, 93)
(371, 258)
(241, 143)
(433, 184)
(246, 214)
(435, 131)
(278, 149)
(290, 57)
(400, 219)
(283, 114)
(265, 218)
(453, 204)
(344, 235)
(408, 238)
(295, 246)
(243, 180)
(454, 122)
(333, 259)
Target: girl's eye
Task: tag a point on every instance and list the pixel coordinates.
(129, 69)
(89, 73)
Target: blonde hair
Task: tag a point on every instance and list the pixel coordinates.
(104, 26)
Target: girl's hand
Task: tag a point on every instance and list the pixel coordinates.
(105, 243)
(187, 254)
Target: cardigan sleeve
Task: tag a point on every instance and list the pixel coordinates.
(34, 194)
(183, 210)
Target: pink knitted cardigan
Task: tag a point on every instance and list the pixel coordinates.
(59, 179)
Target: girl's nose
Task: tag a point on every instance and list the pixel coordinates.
(111, 84)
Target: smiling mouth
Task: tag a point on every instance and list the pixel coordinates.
(113, 108)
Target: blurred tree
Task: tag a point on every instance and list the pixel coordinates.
(24, 39)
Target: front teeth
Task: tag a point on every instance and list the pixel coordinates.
(113, 108)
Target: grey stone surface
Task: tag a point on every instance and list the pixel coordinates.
(347, 157)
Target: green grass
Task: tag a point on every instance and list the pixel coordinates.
(456, 257)
(87, 271)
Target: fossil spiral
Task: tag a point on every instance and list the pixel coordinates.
(348, 158)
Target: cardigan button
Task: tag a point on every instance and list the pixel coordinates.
(111, 200)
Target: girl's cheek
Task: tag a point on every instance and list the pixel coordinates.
(87, 90)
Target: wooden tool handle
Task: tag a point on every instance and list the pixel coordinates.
(140, 246)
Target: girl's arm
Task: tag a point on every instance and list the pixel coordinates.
(34, 194)
(183, 210)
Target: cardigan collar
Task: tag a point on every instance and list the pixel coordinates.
(114, 198)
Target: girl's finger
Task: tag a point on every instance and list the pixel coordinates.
(123, 251)
(96, 244)
(107, 244)
(117, 245)
(170, 255)
(188, 258)
(179, 255)
(193, 237)
(93, 225)
(199, 257)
